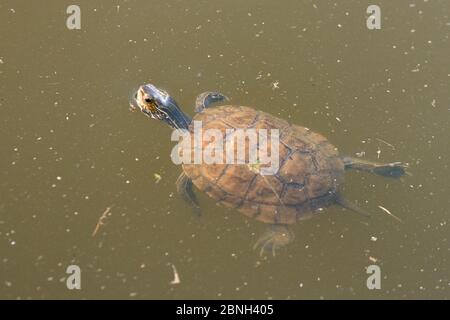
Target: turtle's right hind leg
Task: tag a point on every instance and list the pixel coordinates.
(275, 237)
(393, 170)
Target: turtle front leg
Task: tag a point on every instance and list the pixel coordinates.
(393, 170)
(207, 98)
(275, 237)
(186, 190)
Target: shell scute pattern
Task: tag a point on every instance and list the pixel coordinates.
(310, 169)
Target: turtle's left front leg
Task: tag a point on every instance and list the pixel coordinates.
(186, 190)
(275, 237)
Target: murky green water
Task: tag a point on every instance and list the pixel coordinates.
(71, 148)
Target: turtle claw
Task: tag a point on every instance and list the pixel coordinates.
(275, 237)
(266, 247)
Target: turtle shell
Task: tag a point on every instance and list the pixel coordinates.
(309, 173)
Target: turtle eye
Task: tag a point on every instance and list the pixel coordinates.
(148, 100)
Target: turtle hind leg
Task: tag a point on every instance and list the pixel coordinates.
(393, 170)
(351, 206)
(275, 237)
(186, 190)
(205, 99)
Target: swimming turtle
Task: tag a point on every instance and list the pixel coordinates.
(307, 180)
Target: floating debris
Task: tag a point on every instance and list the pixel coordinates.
(101, 220)
(176, 277)
(389, 213)
(157, 177)
(275, 84)
(256, 168)
(386, 143)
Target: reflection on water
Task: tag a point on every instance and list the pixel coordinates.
(72, 149)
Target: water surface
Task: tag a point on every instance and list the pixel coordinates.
(71, 148)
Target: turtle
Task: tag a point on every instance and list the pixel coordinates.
(307, 180)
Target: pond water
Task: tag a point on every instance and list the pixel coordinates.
(71, 148)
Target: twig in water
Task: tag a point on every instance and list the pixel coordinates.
(256, 168)
(385, 142)
(176, 277)
(101, 220)
(389, 213)
(157, 177)
(273, 190)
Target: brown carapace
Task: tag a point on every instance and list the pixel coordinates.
(310, 169)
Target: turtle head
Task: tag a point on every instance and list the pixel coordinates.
(158, 104)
